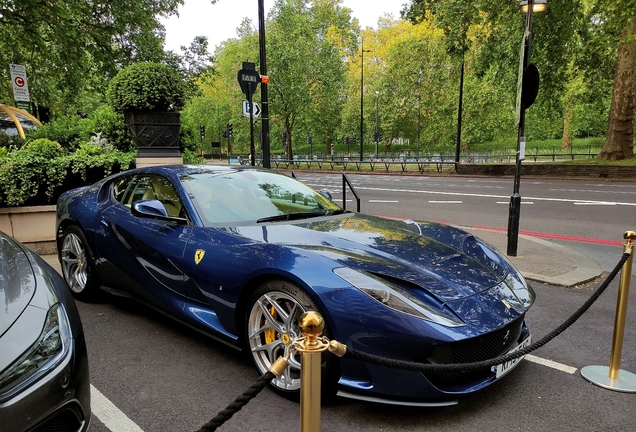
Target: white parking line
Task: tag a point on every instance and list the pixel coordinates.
(508, 202)
(445, 202)
(110, 415)
(117, 421)
(551, 364)
(382, 201)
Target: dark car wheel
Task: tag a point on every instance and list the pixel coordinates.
(272, 323)
(77, 264)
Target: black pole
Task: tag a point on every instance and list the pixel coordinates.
(459, 114)
(419, 109)
(377, 131)
(264, 103)
(361, 101)
(252, 149)
(515, 199)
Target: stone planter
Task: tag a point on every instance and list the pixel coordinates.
(156, 134)
(33, 226)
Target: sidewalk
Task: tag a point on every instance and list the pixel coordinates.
(542, 260)
(537, 259)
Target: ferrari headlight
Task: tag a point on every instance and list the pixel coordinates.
(397, 298)
(44, 355)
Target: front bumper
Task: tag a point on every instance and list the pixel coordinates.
(49, 404)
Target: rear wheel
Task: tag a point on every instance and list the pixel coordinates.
(272, 324)
(77, 264)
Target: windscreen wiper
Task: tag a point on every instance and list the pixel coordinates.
(290, 216)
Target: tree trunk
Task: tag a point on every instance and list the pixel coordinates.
(619, 142)
(566, 141)
(290, 152)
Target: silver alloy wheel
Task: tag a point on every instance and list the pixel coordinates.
(74, 263)
(272, 325)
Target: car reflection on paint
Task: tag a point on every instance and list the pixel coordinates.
(44, 380)
(241, 253)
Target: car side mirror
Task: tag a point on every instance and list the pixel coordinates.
(153, 209)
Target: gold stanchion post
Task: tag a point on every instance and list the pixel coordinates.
(311, 347)
(613, 377)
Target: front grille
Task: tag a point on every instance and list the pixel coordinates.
(481, 348)
(66, 420)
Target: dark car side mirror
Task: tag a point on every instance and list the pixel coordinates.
(153, 209)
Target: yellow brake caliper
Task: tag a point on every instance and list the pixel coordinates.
(270, 333)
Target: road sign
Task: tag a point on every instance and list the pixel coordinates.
(248, 78)
(19, 81)
(246, 109)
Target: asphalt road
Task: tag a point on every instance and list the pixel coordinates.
(161, 376)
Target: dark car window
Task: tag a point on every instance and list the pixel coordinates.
(120, 186)
(153, 187)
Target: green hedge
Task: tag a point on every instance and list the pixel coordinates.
(38, 172)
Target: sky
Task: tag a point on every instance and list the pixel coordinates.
(219, 21)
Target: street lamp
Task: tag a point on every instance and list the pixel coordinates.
(362, 101)
(419, 108)
(527, 88)
(265, 145)
(377, 132)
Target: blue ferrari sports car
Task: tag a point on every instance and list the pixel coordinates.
(241, 253)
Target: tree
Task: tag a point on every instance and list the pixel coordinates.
(304, 43)
(618, 16)
(73, 47)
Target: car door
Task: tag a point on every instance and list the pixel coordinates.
(145, 250)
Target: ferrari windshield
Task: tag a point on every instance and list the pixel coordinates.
(253, 196)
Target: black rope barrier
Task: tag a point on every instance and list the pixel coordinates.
(238, 403)
(475, 366)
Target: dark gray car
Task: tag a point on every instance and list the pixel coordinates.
(44, 380)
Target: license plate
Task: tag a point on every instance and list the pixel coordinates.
(506, 367)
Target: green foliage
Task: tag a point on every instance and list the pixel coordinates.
(8, 141)
(110, 125)
(42, 166)
(93, 156)
(191, 158)
(67, 131)
(71, 48)
(147, 86)
(24, 173)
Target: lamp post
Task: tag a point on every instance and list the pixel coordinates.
(362, 102)
(377, 132)
(523, 102)
(311, 146)
(265, 146)
(419, 108)
(458, 142)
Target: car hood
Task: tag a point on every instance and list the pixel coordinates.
(447, 262)
(17, 282)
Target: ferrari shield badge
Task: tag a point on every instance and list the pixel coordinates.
(198, 255)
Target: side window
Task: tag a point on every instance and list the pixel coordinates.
(157, 188)
(120, 187)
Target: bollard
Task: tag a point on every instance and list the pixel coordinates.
(612, 377)
(311, 346)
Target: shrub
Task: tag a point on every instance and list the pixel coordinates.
(147, 86)
(38, 171)
(36, 168)
(67, 131)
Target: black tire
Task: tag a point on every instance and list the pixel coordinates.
(271, 320)
(78, 266)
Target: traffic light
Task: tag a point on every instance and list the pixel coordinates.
(202, 132)
(229, 129)
(353, 140)
(224, 133)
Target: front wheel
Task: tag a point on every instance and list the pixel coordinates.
(77, 264)
(272, 324)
